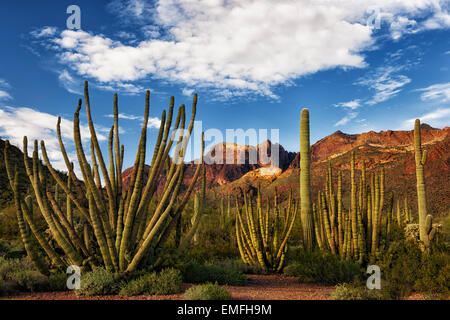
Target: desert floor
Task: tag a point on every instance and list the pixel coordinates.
(259, 287)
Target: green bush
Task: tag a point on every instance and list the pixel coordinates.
(349, 292)
(399, 266)
(433, 277)
(168, 281)
(30, 280)
(9, 267)
(3, 288)
(202, 273)
(238, 264)
(58, 281)
(207, 291)
(98, 282)
(322, 267)
(22, 275)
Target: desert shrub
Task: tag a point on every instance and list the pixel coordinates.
(238, 264)
(323, 268)
(400, 265)
(202, 273)
(4, 247)
(11, 249)
(207, 291)
(3, 288)
(446, 228)
(30, 280)
(349, 292)
(433, 277)
(168, 281)
(9, 267)
(8, 228)
(58, 281)
(22, 275)
(98, 282)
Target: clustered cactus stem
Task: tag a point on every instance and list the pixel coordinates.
(263, 236)
(119, 229)
(352, 233)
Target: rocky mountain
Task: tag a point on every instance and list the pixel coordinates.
(393, 150)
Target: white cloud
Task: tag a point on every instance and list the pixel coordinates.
(350, 116)
(44, 32)
(437, 118)
(4, 86)
(132, 11)
(70, 83)
(440, 91)
(386, 82)
(15, 123)
(187, 92)
(126, 35)
(353, 104)
(235, 47)
(120, 87)
(153, 122)
(4, 95)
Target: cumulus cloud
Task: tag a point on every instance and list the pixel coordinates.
(187, 92)
(386, 82)
(235, 47)
(15, 123)
(440, 91)
(437, 118)
(44, 32)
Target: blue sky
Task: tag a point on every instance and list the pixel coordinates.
(357, 65)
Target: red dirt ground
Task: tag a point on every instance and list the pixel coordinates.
(259, 287)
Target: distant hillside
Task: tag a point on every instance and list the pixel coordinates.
(16, 158)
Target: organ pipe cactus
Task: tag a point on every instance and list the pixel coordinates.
(263, 236)
(120, 229)
(305, 183)
(353, 233)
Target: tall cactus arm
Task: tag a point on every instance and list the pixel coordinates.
(14, 183)
(69, 165)
(98, 150)
(62, 184)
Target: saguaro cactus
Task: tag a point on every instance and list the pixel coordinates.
(425, 220)
(119, 228)
(305, 182)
